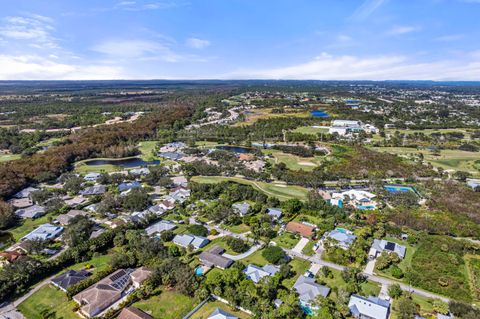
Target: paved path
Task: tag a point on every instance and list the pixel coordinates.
(370, 267)
(300, 245)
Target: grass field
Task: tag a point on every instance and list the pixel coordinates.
(238, 229)
(255, 258)
(281, 191)
(286, 240)
(167, 305)
(299, 267)
(294, 162)
(456, 160)
(209, 307)
(265, 113)
(147, 148)
(310, 130)
(466, 132)
(369, 288)
(308, 249)
(48, 302)
(9, 157)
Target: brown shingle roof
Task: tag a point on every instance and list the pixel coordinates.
(299, 228)
(133, 313)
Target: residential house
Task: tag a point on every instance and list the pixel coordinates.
(7, 257)
(104, 293)
(241, 208)
(167, 204)
(342, 238)
(179, 181)
(369, 308)
(44, 232)
(65, 219)
(69, 278)
(93, 190)
(255, 273)
(160, 227)
(20, 202)
(219, 313)
(24, 193)
(74, 201)
(356, 198)
(257, 165)
(139, 275)
(185, 240)
(276, 213)
(133, 313)
(380, 246)
(170, 155)
(157, 210)
(180, 194)
(302, 229)
(212, 257)
(125, 186)
(92, 177)
(308, 289)
(34, 211)
(140, 171)
(474, 184)
(173, 147)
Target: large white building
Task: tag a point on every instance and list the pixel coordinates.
(346, 127)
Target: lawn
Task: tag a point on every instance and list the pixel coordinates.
(473, 267)
(448, 159)
(99, 263)
(167, 305)
(281, 191)
(48, 302)
(256, 258)
(369, 288)
(299, 267)
(425, 304)
(27, 225)
(265, 113)
(310, 130)
(308, 249)
(294, 162)
(238, 229)
(9, 157)
(222, 242)
(147, 148)
(83, 168)
(209, 307)
(286, 240)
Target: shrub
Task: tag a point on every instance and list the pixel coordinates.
(396, 271)
(395, 291)
(198, 230)
(237, 245)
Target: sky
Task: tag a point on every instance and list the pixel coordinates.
(240, 39)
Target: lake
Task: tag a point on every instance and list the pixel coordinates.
(319, 113)
(130, 162)
(235, 149)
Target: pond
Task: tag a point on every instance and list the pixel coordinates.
(235, 149)
(319, 113)
(130, 162)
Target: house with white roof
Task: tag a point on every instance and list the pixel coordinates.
(219, 313)
(160, 227)
(140, 171)
(180, 194)
(308, 289)
(241, 208)
(342, 238)
(44, 232)
(276, 213)
(380, 246)
(357, 198)
(92, 177)
(184, 240)
(255, 273)
(369, 308)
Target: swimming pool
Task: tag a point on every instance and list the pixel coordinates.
(199, 271)
(366, 207)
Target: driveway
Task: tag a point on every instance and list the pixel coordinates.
(300, 245)
(370, 267)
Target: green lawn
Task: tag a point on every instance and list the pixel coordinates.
(369, 288)
(299, 267)
(256, 258)
(238, 229)
(147, 148)
(310, 130)
(308, 249)
(167, 305)
(294, 162)
(220, 241)
(48, 302)
(209, 307)
(286, 240)
(281, 191)
(9, 157)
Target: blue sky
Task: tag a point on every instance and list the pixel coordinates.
(240, 39)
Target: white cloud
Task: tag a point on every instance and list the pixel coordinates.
(449, 38)
(327, 67)
(197, 43)
(399, 30)
(367, 8)
(32, 67)
(137, 49)
(35, 30)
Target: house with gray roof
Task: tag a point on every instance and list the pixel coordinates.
(255, 273)
(221, 314)
(93, 190)
(380, 246)
(125, 186)
(24, 193)
(139, 171)
(212, 257)
(92, 177)
(160, 227)
(241, 208)
(369, 308)
(342, 238)
(65, 219)
(34, 211)
(69, 278)
(170, 155)
(157, 210)
(184, 240)
(308, 289)
(44, 232)
(276, 213)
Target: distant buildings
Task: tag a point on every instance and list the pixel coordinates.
(347, 127)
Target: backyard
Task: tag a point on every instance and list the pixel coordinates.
(167, 305)
(209, 307)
